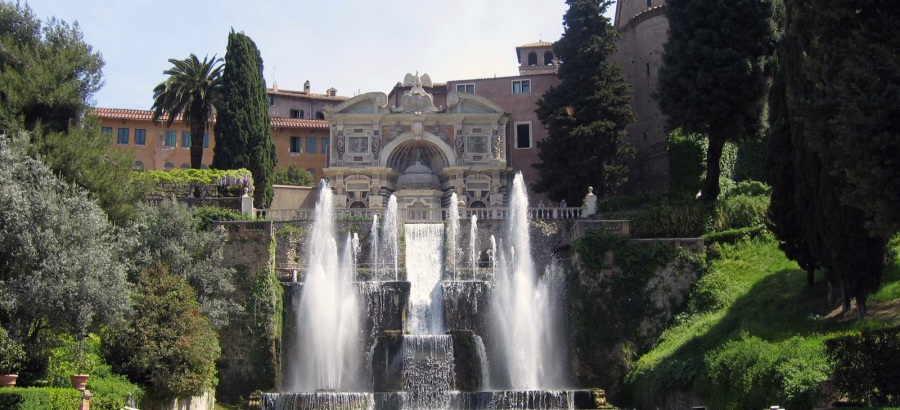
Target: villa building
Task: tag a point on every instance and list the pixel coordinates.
(471, 135)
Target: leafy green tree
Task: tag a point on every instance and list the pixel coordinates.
(85, 157)
(48, 74)
(586, 114)
(293, 175)
(168, 346)
(243, 136)
(193, 90)
(716, 72)
(59, 257)
(169, 234)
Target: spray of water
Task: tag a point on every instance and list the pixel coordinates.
(328, 320)
(474, 245)
(522, 307)
(391, 233)
(375, 250)
(453, 236)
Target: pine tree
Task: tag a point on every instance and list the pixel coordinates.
(716, 72)
(243, 136)
(586, 114)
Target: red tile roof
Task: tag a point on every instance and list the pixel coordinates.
(147, 115)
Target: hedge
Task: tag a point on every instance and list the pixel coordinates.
(39, 398)
(866, 366)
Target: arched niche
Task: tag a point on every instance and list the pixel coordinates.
(400, 153)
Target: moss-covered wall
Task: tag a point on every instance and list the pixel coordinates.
(251, 341)
(622, 293)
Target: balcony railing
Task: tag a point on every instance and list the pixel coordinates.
(416, 214)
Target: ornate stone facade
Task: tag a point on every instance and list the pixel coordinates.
(419, 152)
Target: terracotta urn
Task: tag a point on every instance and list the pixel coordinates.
(79, 381)
(8, 380)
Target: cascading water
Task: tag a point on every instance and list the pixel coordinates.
(428, 374)
(423, 271)
(328, 319)
(453, 235)
(375, 250)
(474, 245)
(522, 302)
(391, 234)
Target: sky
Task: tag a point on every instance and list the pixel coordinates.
(355, 46)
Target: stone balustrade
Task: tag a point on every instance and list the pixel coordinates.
(417, 214)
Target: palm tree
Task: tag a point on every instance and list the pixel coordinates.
(193, 89)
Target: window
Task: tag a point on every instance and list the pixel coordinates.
(169, 165)
(138, 166)
(206, 140)
(295, 145)
(185, 139)
(140, 136)
(106, 131)
(649, 3)
(170, 139)
(648, 70)
(523, 134)
(465, 88)
(521, 87)
(203, 166)
(311, 171)
(326, 143)
(123, 136)
(310, 145)
(296, 114)
(548, 58)
(532, 59)
(320, 115)
(270, 99)
(185, 166)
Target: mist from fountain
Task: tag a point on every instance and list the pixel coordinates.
(453, 235)
(391, 234)
(423, 271)
(328, 319)
(522, 307)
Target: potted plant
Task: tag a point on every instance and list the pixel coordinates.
(83, 365)
(12, 355)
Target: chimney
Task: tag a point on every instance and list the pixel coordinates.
(306, 87)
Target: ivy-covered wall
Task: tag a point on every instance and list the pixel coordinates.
(251, 342)
(622, 293)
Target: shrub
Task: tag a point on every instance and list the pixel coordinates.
(113, 392)
(67, 358)
(733, 236)
(12, 354)
(865, 366)
(39, 398)
(206, 215)
(293, 175)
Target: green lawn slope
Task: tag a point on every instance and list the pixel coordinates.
(753, 334)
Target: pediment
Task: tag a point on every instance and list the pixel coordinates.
(472, 104)
(368, 103)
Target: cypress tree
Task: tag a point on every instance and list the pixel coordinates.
(716, 73)
(243, 134)
(835, 231)
(586, 114)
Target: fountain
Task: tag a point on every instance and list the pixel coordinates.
(418, 343)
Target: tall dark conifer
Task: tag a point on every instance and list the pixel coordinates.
(243, 135)
(716, 72)
(587, 113)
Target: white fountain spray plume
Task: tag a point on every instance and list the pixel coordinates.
(453, 234)
(375, 250)
(521, 305)
(423, 271)
(328, 319)
(493, 255)
(474, 245)
(354, 262)
(391, 233)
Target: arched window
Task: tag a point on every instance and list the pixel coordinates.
(185, 166)
(358, 205)
(203, 166)
(138, 166)
(169, 165)
(548, 58)
(477, 204)
(532, 59)
(311, 171)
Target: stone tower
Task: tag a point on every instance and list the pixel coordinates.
(643, 29)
